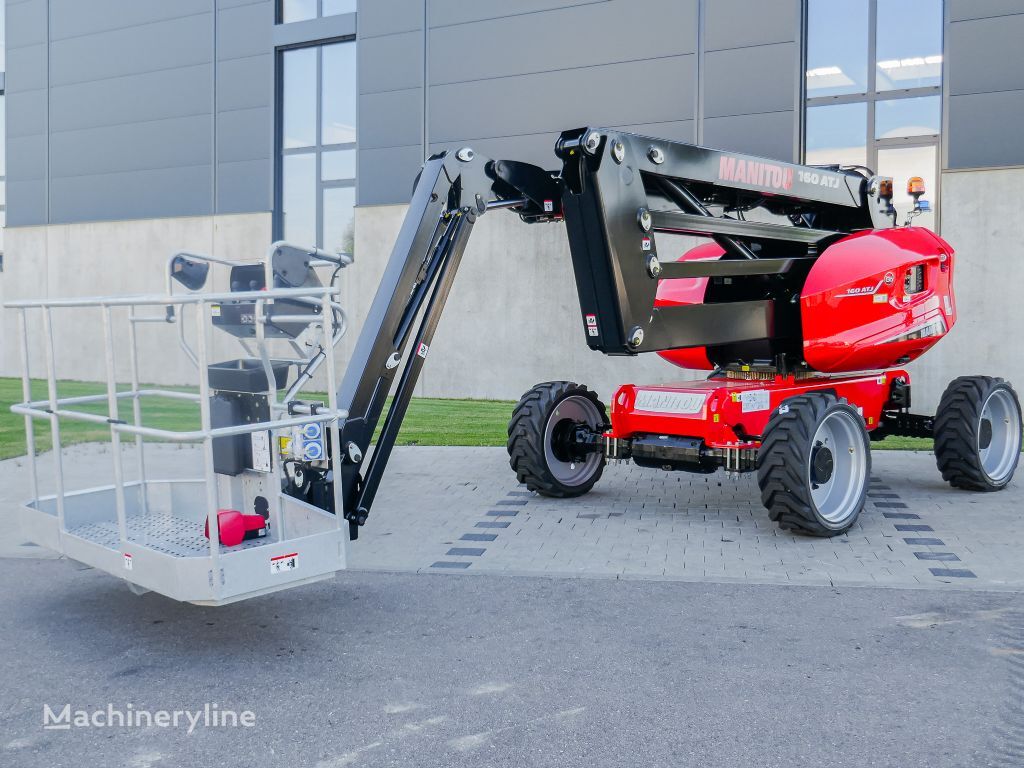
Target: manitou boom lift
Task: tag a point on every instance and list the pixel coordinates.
(803, 303)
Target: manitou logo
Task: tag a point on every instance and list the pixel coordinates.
(755, 172)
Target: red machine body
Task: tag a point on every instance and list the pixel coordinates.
(877, 299)
(872, 300)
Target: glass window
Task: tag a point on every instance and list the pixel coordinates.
(297, 10)
(298, 108)
(837, 47)
(339, 219)
(339, 94)
(898, 118)
(837, 134)
(302, 10)
(298, 198)
(903, 162)
(318, 146)
(334, 7)
(908, 44)
(338, 165)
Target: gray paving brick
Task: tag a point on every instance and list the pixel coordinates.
(478, 537)
(644, 523)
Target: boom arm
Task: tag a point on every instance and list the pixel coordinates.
(604, 193)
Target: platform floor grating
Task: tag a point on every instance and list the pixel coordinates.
(159, 531)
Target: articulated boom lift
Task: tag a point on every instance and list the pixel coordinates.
(805, 284)
(803, 301)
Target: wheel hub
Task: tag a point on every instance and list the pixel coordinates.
(985, 434)
(822, 464)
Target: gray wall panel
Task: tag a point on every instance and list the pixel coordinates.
(235, 140)
(386, 17)
(391, 118)
(386, 175)
(245, 83)
(767, 135)
(182, 141)
(127, 128)
(446, 12)
(391, 62)
(988, 55)
(557, 100)
(26, 201)
(979, 9)
(993, 141)
(750, 80)
(135, 195)
(985, 83)
(128, 99)
(26, 68)
(740, 23)
(244, 30)
(242, 187)
(26, 158)
(73, 18)
(26, 23)
(538, 42)
(26, 114)
(179, 42)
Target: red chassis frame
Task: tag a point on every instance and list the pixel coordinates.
(731, 413)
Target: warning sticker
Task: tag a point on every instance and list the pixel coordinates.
(754, 400)
(592, 321)
(646, 243)
(128, 565)
(549, 206)
(283, 563)
(422, 350)
(592, 331)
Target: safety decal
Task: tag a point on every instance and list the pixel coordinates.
(283, 563)
(755, 400)
(549, 206)
(422, 350)
(128, 564)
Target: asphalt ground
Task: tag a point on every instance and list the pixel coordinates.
(379, 669)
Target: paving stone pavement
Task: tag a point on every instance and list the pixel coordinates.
(461, 510)
(916, 531)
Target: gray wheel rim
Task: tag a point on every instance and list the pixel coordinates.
(573, 408)
(838, 498)
(999, 457)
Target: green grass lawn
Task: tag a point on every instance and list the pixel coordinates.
(429, 421)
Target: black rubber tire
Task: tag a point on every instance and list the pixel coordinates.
(783, 461)
(957, 425)
(526, 430)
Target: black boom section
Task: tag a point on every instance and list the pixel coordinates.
(622, 189)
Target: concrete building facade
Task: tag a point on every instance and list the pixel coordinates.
(136, 128)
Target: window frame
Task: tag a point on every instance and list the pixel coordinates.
(317, 148)
(279, 13)
(872, 96)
